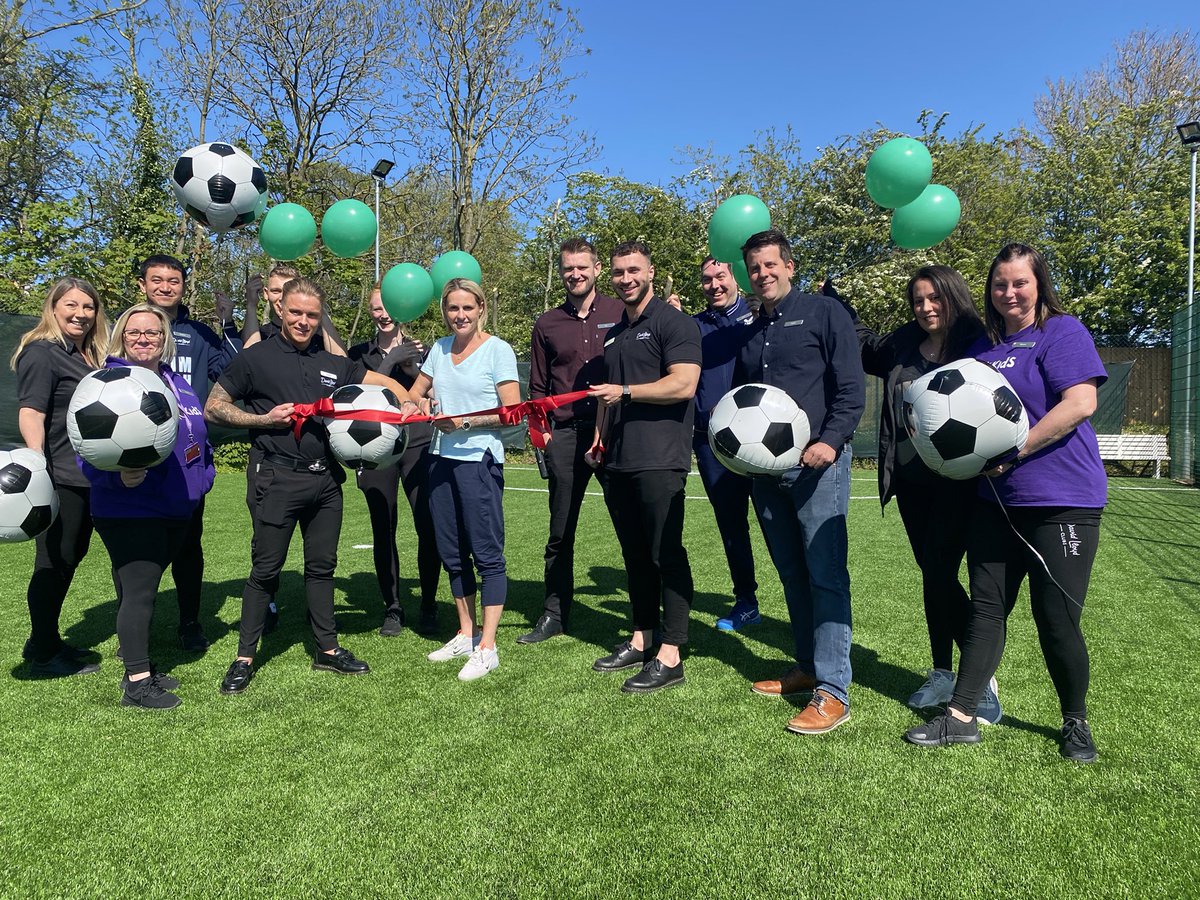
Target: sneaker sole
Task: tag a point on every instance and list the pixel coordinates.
(125, 701)
(658, 687)
(390, 633)
(795, 729)
(482, 674)
(938, 742)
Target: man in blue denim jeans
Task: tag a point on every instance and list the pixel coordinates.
(805, 344)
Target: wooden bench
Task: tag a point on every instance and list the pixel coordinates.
(1133, 447)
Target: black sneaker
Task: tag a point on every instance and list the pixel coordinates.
(191, 637)
(1075, 741)
(164, 681)
(428, 622)
(148, 694)
(393, 623)
(237, 678)
(73, 653)
(272, 620)
(546, 628)
(341, 661)
(60, 665)
(943, 730)
(655, 676)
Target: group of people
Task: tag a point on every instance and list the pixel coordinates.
(651, 375)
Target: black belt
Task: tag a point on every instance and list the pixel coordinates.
(576, 425)
(315, 466)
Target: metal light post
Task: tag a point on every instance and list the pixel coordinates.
(379, 173)
(1189, 134)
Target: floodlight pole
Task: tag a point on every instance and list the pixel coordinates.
(1191, 350)
(378, 182)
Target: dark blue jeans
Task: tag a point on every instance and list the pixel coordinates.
(803, 516)
(466, 499)
(729, 495)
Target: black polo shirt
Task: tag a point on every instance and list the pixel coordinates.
(273, 372)
(649, 436)
(566, 353)
(809, 348)
(47, 375)
(369, 354)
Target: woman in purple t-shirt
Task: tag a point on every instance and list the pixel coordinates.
(1046, 522)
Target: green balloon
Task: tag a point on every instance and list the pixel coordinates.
(454, 264)
(928, 220)
(741, 276)
(287, 231)
(898, 171)
(348, 228)
(733, 222)
(406, 291)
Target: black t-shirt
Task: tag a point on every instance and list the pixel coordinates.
(369, 354)
(274, 372)
(648, 436)
(47, 375)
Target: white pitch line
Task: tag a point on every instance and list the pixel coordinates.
(526, 490)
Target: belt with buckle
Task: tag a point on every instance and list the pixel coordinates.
(316, 466)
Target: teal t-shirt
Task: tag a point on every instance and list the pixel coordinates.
(468, 387)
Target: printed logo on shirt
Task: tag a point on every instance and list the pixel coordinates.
(793, 322)
(328, 379)
(746, 319)
(183, 366)
(182, 338)
(1007, 363)
(193, 411)
(643, 336)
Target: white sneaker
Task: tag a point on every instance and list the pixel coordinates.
(479, 664)
(988, 712)
(935, 692)
(459, 645)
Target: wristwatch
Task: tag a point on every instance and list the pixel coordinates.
(466, 425)
(626, 395)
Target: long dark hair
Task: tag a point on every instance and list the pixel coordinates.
(1048, 304)
(963, 325)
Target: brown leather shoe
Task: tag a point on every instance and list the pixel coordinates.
(794, 681)
(824, 712)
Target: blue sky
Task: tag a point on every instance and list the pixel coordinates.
(663, 75)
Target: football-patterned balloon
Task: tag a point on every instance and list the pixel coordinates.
(28, 501)
(964, 419)
(364, 444)
(220, 186)
(757, 429)
(122, 418)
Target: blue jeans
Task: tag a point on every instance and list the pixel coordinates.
(803, 516)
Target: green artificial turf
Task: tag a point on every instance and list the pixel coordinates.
(544, 780)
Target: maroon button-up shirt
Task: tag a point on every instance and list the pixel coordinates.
(567, 354)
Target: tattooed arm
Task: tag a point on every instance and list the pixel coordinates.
(221, 410)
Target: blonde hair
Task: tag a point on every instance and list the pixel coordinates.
(464, 284)
(95, 342)
(117, 340)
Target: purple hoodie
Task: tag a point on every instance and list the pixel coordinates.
(172, 489)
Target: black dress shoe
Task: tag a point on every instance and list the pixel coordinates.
(428, 622)
(624, 656)
(545, 629)
(271, 622)
(654, 677)
(61, 665)
(393, 623)
(191, 637)
(237, 679)
(341, 661)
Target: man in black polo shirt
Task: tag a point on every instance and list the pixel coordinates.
(298, 481)
(643, 439)
(567, 354)
(806, 345)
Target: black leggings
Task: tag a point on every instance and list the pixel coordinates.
(998, 562)
(936, 517)
(187, 568)
(141, 550)
(59, 551)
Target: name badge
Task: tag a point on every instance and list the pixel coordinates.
(328, 379)
(606, 324)
(793, 322)
(1024, 344)
(609, 341)
(191, 453)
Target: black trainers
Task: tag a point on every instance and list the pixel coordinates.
(1075, 741)
(237, 678)
(943, 730)
(164, 681)
(546, 628)
(272, 620)
(655, 676)
(393, 623)
(148, 694)
(73, 653)
(61, 665)
(191, 637)
(428, 622)
(341, 661)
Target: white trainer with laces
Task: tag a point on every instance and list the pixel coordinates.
(459, 645)
(480, 662)
(935, 692)
(988, 712)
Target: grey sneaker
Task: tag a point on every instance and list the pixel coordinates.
(459, 645)
(479, 663)
(1075, 741)
(988, 712)
(935, 692)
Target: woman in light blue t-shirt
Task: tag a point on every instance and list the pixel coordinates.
(468, 371)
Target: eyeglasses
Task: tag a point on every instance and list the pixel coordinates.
(152, 334)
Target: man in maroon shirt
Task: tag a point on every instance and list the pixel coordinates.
(567, 354)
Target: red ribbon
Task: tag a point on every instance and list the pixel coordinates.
(533, 410)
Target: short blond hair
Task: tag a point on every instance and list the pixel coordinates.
(117, 342)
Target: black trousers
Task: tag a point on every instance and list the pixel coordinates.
(647, 514)
(187, 568)
(380, 488)
(936, 517)
(285, 499)
(59, 550)
(253, 463)
(729, 495)
(141, 550)
(998, 563)
(569, 478)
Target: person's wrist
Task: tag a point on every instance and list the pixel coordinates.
(626, 393)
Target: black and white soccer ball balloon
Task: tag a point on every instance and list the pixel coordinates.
(757, 429)
(122, 418)
(362, 444)
(964, 419)
(28, 501)
(220, 186)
